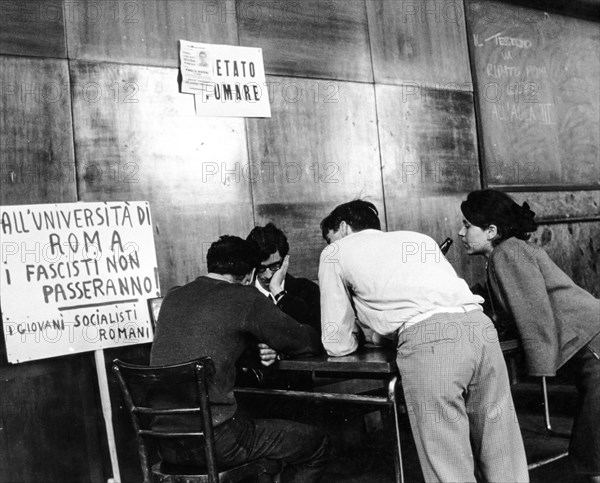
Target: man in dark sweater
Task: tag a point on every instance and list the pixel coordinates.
(219, 315)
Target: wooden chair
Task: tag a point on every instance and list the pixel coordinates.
(137, 382)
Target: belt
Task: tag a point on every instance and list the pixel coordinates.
(445, 310)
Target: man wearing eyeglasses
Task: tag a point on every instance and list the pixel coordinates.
(297, 297)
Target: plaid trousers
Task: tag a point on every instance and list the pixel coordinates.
(459, 402)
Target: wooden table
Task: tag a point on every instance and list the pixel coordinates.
(367, 362)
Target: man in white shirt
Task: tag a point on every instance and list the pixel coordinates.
(454, 378)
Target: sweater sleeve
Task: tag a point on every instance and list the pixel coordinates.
(276, 329)
(523, 289)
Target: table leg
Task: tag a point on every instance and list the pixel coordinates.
(392, 385)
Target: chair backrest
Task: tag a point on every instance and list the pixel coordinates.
(141, 384)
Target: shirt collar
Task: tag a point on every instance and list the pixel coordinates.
(266, 293)
(216, 276)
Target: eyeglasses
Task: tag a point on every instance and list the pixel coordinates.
(272, 266)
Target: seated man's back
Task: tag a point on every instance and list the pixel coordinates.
(209, 317)
(219, 315)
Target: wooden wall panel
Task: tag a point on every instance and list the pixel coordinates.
(149, 145)
(36, 137)
(428, 140)
(49, 429)
(420, 42)
(310, 156)
(146, 32)
(561, 204)
(32, 28)
(429, 158)
(575, 248)
(309, 38)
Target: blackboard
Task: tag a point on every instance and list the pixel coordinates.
(537, 88)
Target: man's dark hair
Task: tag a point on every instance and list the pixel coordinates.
(231, 255)
(269, 239)
(358, 214)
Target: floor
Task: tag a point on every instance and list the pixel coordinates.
(363, 450)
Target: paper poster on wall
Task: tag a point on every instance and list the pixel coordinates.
(226, 80)
(76, 277)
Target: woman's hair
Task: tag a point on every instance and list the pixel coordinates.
(490, 207)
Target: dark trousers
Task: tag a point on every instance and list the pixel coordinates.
(304, 449)
(584, 449)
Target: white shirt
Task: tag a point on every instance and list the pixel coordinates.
(267, 293)
(388, 281)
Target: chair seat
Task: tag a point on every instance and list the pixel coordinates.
(169, 473)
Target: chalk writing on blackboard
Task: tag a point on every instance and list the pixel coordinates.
(536, 77)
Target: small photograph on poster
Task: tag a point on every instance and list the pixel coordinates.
(203, 63)
(196, 69)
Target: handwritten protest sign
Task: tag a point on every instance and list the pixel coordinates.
(227, 80)
(76, 277)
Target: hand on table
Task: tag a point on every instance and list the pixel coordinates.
(267, 355)
(368, 336)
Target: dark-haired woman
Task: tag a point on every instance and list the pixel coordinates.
(556, 320)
